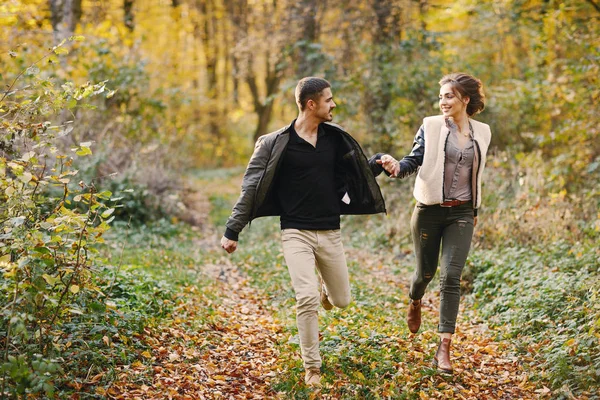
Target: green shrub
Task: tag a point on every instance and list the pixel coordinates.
(547, 301)
(52, 223)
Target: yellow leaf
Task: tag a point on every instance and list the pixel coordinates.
(83, 151)
(359, 375)
(146, 354)
(49, 279)
(61, 50)
(74, 289)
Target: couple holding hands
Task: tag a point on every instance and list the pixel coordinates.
(312, 171)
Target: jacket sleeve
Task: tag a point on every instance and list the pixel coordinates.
(410, 163)
(377, 169)
(242, 210)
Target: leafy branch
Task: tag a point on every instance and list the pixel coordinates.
(58, 49)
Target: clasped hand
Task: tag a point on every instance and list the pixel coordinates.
(390, 164)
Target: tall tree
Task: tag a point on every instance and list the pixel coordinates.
(386, 35)
(206, 30)
(303, 21)
(237, 11)
(261, 54)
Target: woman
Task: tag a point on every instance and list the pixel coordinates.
(449, 153)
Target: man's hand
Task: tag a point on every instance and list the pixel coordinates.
(228, 245)
(390, 164)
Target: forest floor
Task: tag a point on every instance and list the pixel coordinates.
(231, 333)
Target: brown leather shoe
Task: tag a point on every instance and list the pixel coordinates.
(312, 377)
(413, 319)
(442, 357)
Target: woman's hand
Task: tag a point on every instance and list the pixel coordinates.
(390, 164)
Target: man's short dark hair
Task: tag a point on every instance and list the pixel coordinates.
(310, 88)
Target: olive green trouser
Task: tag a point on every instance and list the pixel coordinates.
(305, 250)
(452, 229)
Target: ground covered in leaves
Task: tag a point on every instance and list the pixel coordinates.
(236, 339)
(231, 332)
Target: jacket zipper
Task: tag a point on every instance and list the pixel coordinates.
(444, 167)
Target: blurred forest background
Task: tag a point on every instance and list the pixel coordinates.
(110, 109)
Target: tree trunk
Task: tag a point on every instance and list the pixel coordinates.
(263, 109)
(238, 17)
(304, 16)
(210, 43)
(380, 88)
(65, 17)
(264, 114)
(128, 14)
(244, 55)
(423, 7)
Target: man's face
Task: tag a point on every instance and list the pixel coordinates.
(323, 107)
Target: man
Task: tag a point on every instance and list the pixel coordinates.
(309, 173)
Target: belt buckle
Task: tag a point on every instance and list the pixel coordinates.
(445, 205)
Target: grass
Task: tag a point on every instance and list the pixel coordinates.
(547, 302)
(367, 351)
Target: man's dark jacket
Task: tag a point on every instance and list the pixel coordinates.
(355, 175)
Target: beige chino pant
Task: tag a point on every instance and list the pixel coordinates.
(305, 250)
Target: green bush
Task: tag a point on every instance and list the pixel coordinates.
(52, 223)
(546, 299)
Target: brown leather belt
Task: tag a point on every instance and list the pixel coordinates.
(454, 203)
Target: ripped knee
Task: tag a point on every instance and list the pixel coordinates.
(423, 237)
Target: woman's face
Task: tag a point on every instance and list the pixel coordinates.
(450, 104)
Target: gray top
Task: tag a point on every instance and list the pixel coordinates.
(458, 166)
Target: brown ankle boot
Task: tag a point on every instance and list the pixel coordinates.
(442, 357)
(413, 319)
